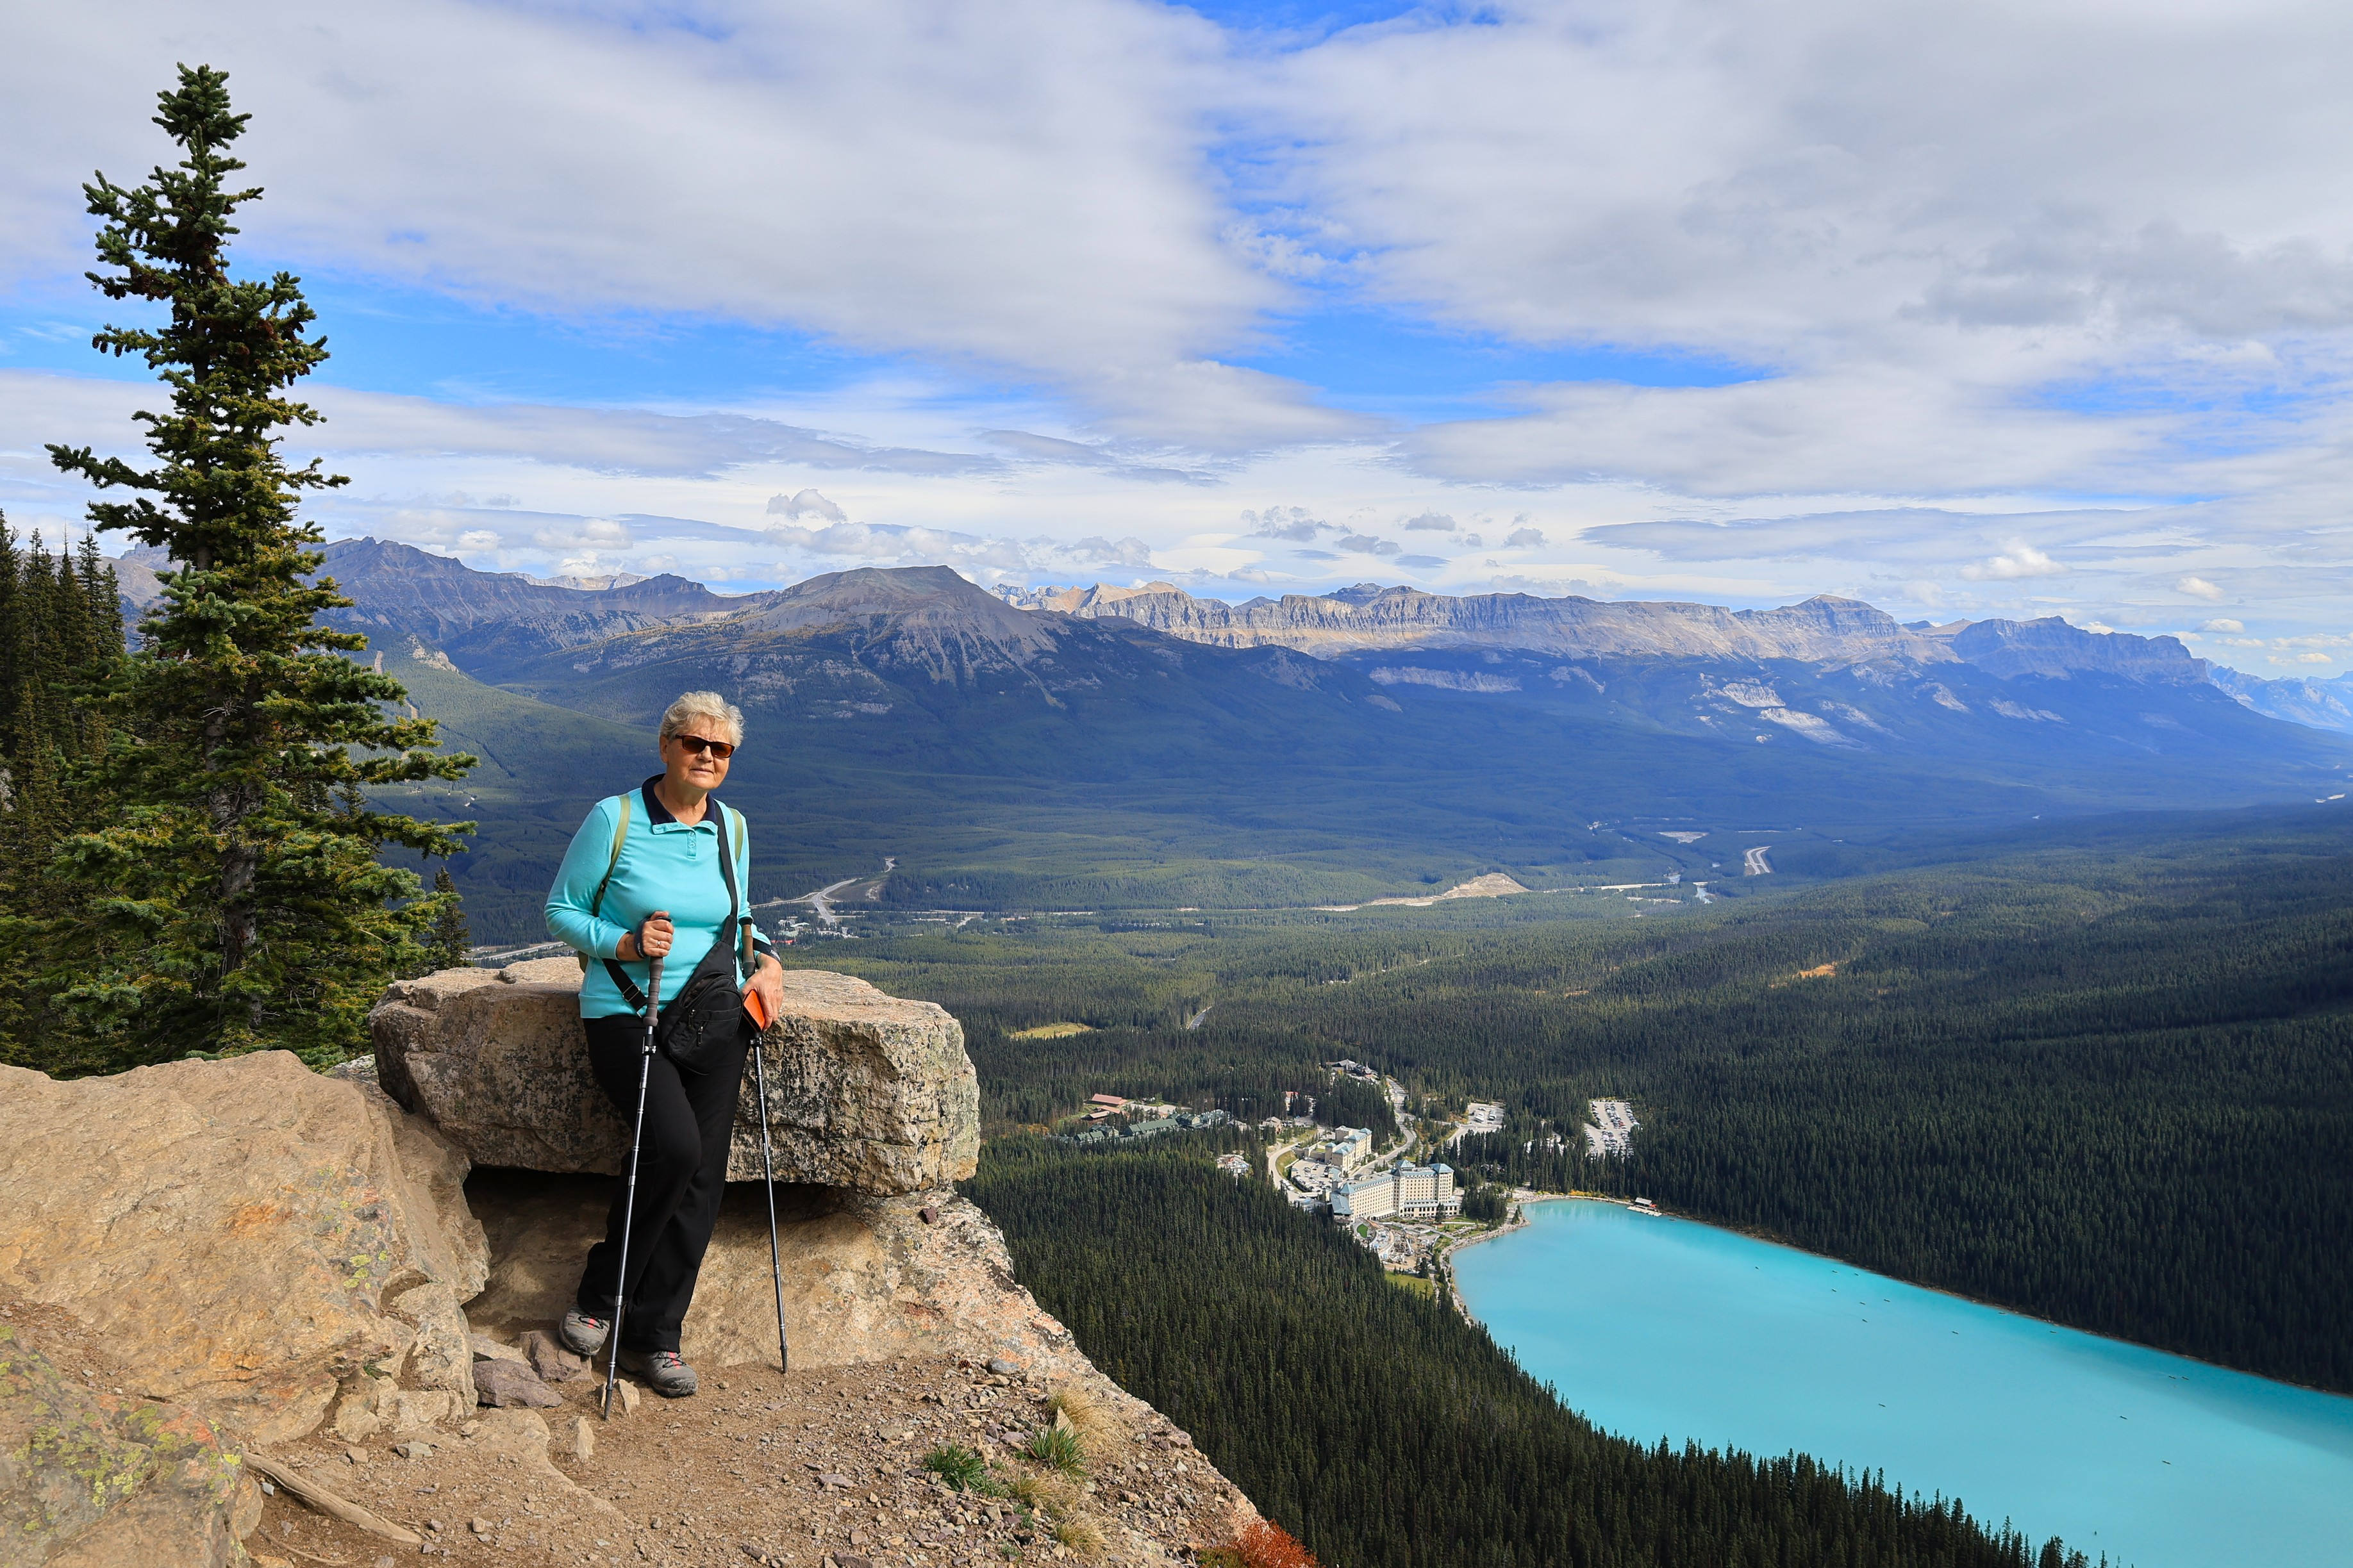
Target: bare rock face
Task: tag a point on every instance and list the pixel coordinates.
(441, 1357)
(495, 1059)
(233, 1229)
(866, 1279)
(865, 1090)
(92, 1480)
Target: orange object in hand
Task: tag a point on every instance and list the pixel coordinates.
(758, 1006)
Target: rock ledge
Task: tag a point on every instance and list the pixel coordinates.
(865, 1090)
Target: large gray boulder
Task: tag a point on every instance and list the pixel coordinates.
(248, 1234)
(865, 1090)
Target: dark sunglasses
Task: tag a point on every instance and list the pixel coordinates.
(697, 745)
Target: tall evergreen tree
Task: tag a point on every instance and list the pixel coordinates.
(452, 945)
(237, 904)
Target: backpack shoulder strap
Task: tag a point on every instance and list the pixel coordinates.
(736, 916)
(612, 863)
(743, 917)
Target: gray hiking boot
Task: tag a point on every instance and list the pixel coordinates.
(582, 1334)
(660, 1371)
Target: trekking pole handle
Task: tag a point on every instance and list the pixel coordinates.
(653, 1000)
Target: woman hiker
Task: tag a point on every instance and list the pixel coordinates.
(664, 872)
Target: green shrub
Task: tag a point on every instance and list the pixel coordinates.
(960, 1468)
(1056, 1448)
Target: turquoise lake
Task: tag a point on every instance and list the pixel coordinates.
(1656, 1326)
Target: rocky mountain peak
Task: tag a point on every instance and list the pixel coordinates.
(2053, 649)
(400, 588)
(917, 617)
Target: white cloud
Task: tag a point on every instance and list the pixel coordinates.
(1525, 538)
(2198, 588)
(2222, 624)
(1021, 183)
(1291, 523)
(984, 558)
(805, 503)
(588, 532)
(2020, 559)
(1055, 449)
(1823, 167)
(1860, 430)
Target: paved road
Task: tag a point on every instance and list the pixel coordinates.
(1756, 861)
(822, 899)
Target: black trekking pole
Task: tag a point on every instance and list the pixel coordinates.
(768, 1165)
(630, 1205)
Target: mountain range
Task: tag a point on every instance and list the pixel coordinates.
(1116, 747)
(1369, 618)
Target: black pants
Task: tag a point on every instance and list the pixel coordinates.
(682, 1175)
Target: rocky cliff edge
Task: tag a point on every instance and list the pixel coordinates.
(222, 1279)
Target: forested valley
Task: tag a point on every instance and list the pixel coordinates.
(2112, 1087)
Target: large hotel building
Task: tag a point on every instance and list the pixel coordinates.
(1410, 1192)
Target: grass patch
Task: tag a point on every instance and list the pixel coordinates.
(962, 1468)
(1057, 1448)
(1415, 1283)
(1061, 1031)
(1048, 1493)
(1083, 1536)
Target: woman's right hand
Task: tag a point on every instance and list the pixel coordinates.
(650, 940)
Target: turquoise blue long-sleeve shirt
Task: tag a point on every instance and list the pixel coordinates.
(665, 864)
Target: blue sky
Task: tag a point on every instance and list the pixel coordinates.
(2016, 311)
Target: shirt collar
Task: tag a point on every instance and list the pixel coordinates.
(657, 814)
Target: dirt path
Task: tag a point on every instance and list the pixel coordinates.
(758, 1468)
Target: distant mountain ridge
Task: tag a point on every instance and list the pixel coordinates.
(1824, 630)
(2318, 704)
(941, 664)
(1368, 615)
(498, 620)
(456, 609)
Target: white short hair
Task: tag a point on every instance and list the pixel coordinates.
(696, 705)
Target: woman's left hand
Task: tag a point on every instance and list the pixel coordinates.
(768, 982)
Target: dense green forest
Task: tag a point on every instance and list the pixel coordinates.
(1380, 1426)
(60, 635)
(2111, 1086)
